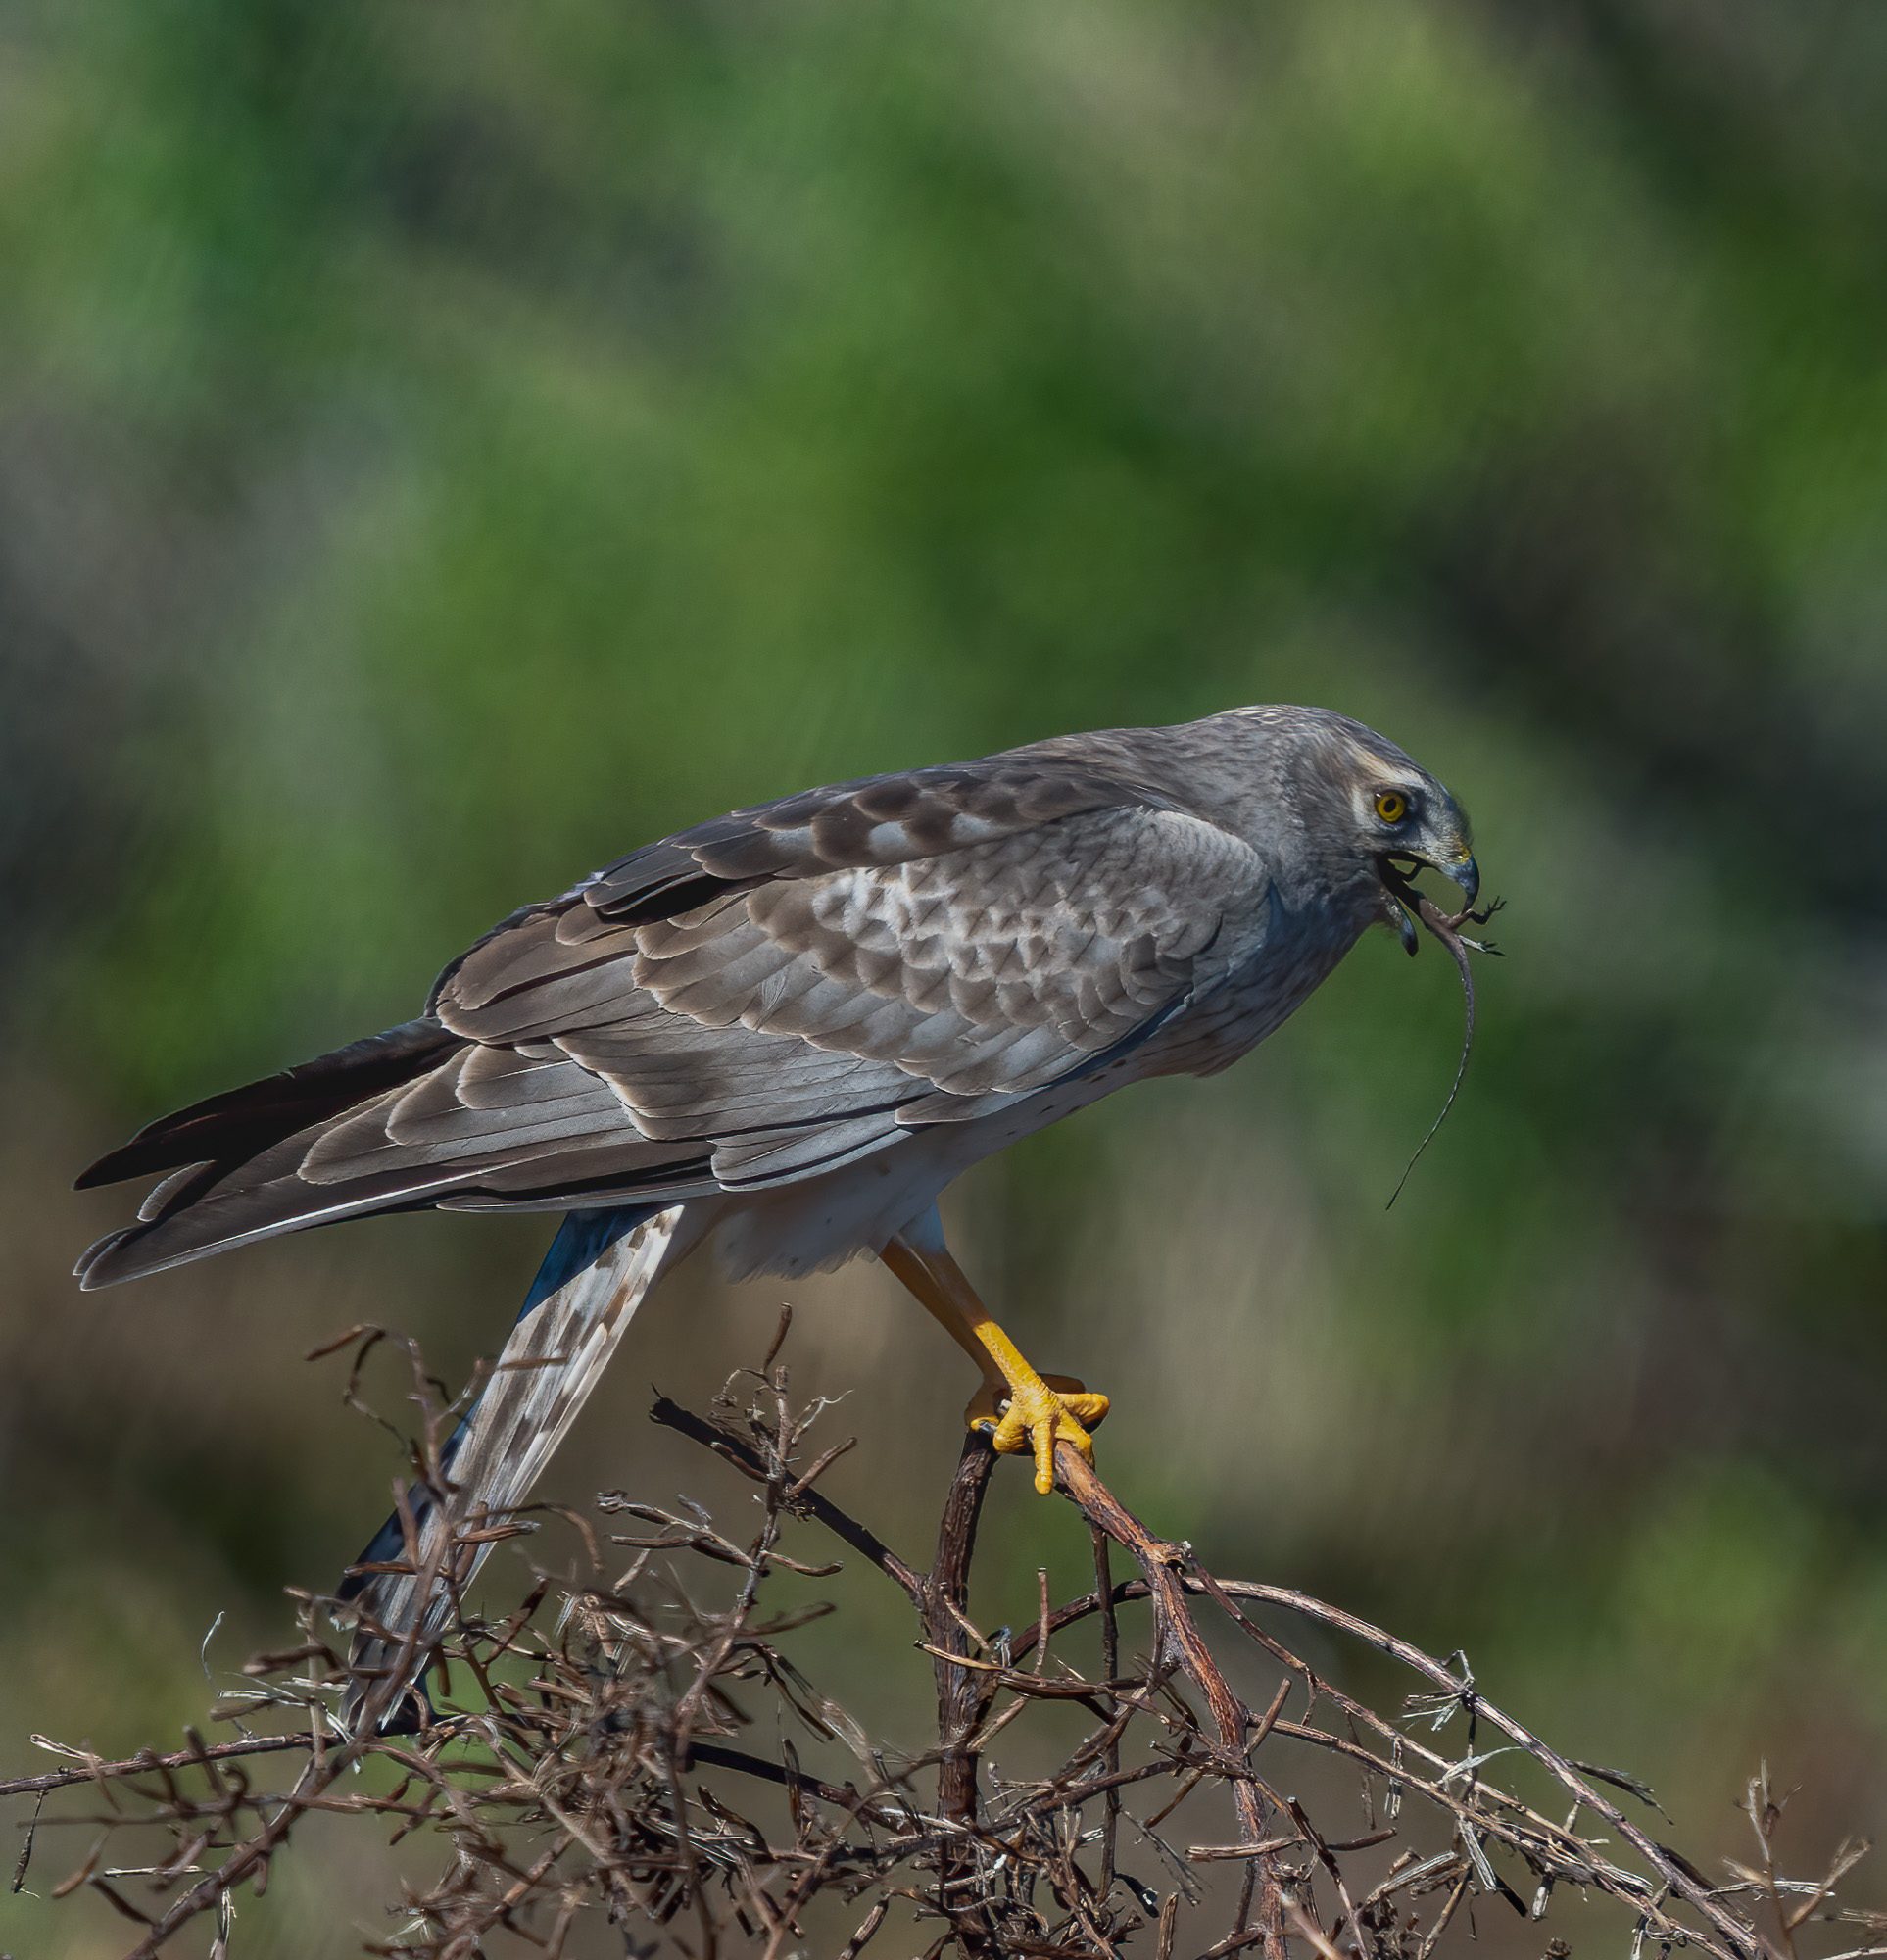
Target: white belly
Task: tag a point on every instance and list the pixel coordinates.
(798, 1229)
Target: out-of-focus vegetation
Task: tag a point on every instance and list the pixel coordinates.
(442, 447)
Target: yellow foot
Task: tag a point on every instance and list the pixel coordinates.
(1035, 1414)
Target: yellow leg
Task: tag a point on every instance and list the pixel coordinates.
(1021, 1409)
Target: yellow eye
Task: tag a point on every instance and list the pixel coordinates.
(1391, 806)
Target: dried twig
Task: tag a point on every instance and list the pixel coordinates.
(605, 1755)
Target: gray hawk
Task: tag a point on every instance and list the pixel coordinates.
(785, 1031)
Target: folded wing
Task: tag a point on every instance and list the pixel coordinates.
(761, 999)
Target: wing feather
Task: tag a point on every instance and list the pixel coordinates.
(995, 968)
(765, 998)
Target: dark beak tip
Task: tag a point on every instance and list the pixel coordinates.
(1467, 874)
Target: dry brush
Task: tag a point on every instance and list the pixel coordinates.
(590, 1769)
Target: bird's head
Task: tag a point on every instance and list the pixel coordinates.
(1406, 820)
(1381, 817)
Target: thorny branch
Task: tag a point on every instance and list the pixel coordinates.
(597, 1755)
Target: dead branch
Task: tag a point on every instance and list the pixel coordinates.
(595, 1752)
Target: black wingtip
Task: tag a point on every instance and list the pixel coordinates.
(111, 1168)
(242, 1121)
(233, 1124)
(185, 1137)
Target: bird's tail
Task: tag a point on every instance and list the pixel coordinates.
(403, 1585)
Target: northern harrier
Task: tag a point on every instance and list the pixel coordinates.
(787, 1030)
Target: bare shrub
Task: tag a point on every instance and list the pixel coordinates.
(590, 1756)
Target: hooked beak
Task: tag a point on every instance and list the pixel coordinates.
(1467, 874)
(1400, 886)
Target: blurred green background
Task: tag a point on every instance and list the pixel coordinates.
(442, 447)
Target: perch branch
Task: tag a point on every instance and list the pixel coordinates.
(600, 1767)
